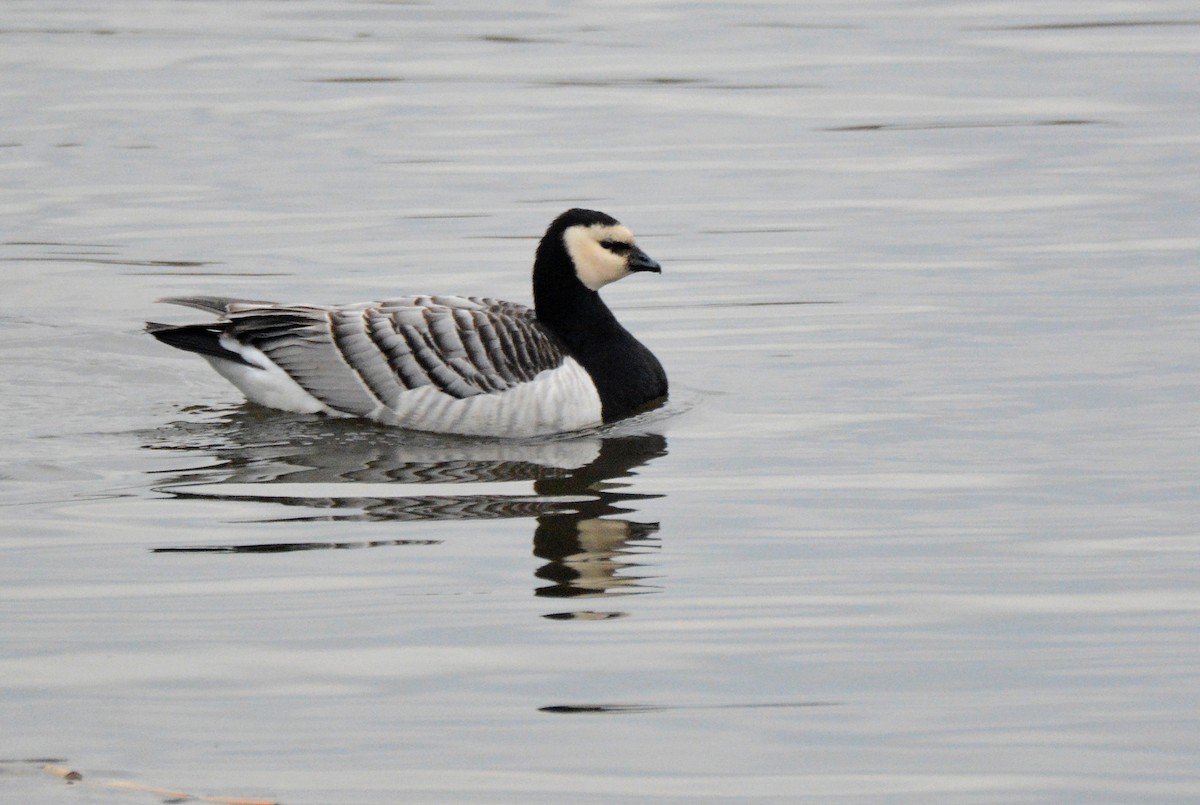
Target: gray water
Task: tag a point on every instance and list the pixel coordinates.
(919, 525)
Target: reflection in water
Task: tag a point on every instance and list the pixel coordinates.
(586, 553)
(289, 547)
(620, 709)
(346, 472)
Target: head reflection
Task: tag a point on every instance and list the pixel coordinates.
(584, 529)
(590, 550)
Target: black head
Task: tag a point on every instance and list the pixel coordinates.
(592, 245)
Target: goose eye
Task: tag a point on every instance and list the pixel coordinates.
(616, 246)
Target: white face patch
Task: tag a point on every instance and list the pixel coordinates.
(595, 265)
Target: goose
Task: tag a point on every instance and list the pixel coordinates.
(470, 366)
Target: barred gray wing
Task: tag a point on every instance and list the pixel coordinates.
(355, 358)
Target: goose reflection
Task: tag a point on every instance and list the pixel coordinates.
(572, 489)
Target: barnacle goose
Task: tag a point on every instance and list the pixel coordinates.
(450, 364)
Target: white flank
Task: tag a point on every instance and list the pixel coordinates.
(555, 401)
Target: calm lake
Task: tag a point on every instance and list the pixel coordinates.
(920, 524)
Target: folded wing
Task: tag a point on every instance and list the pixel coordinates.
(358, 357)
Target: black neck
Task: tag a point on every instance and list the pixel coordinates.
(627, 375)
(574, 312)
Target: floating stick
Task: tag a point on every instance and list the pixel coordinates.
(73, 776)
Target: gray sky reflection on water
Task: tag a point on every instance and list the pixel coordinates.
(931, 539)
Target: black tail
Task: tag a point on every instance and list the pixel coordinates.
(203, 339)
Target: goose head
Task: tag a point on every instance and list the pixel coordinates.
(590, 247)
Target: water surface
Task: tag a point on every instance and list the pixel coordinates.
(919, 524)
